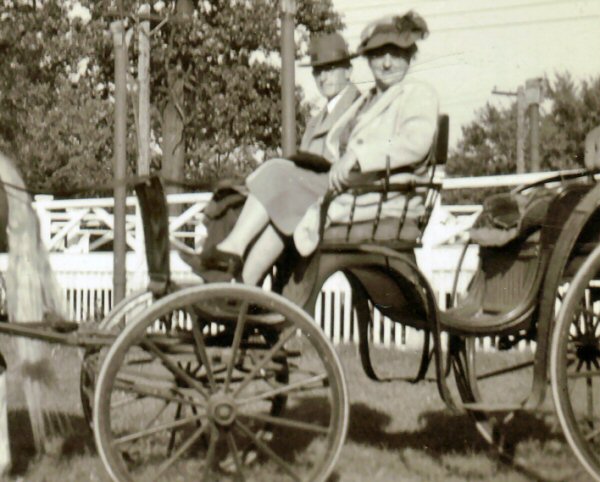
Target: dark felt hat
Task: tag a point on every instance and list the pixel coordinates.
(403, 31)
(329, 48)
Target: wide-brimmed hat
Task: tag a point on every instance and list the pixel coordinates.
(329, 48)
(403, 31)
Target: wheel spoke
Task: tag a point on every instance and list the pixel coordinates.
(284, 389)
(158, 414)
(267, 450)
(173, 368)
(200, 350)
(155, 393)
(592, 435)
(584, 374)
(127, 401)
(159, 428)
(174, 433)
(264, 360)
(590, 398)
(288, 422)
(179, 452)
(236, 456)
(237, 337)
(210, 455)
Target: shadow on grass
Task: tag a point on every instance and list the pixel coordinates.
(441, 431)
(79, 440)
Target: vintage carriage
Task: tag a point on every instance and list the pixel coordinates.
(221, 378)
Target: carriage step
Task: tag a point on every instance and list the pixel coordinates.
(492, 407)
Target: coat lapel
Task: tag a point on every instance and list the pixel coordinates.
(379, 106)
(347, 99)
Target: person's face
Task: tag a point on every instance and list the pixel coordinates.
(389, 65)
(331, 79)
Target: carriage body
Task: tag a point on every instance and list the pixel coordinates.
(229, 372)
(514, 296)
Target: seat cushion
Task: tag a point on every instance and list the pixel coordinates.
(387, 230)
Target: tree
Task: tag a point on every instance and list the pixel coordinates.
(230, 72)
(56, 105)
(488, 144)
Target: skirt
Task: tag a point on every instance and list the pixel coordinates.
(286, 191)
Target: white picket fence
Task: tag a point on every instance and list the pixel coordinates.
(76, 232)
(87, 279)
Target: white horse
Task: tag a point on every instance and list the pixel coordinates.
(32, 295)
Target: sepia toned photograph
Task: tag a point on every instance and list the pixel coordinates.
(299, 240)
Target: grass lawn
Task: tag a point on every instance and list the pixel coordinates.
(398, 431)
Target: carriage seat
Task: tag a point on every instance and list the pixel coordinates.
(387, 231)
(503, 294)
(507, 217)
(404, 229)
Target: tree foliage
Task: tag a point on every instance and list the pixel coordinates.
(570, 111)
(488, 144)
(56, 84)
(55, 115)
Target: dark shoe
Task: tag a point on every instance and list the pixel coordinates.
(218, 260)
(192, 260)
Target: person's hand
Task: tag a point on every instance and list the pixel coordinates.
(339, 174)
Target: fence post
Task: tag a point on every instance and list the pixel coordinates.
(41, 208)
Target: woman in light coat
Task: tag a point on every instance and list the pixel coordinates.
(393, 124)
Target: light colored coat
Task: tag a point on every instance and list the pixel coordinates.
(399, 128)
(318, 126)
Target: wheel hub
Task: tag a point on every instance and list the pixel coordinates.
(588, 352)
(222, 409)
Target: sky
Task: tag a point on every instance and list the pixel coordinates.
(477, 46)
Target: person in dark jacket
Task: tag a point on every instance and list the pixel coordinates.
(331, 67)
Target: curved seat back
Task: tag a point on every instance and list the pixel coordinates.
(414, 200)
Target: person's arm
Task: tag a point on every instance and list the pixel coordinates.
(412, 136)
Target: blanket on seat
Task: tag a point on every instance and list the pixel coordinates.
(511, 216)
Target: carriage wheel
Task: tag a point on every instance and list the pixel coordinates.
(115, 321)
(575, 364)
(196, 387)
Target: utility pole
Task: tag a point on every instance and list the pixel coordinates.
(143, 167)
(533, 95)
(529, 99)
(288, 53)
(119, 160)
(521, 130)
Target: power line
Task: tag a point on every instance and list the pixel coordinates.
(500, 8)
(515, 6)
(518, 24)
